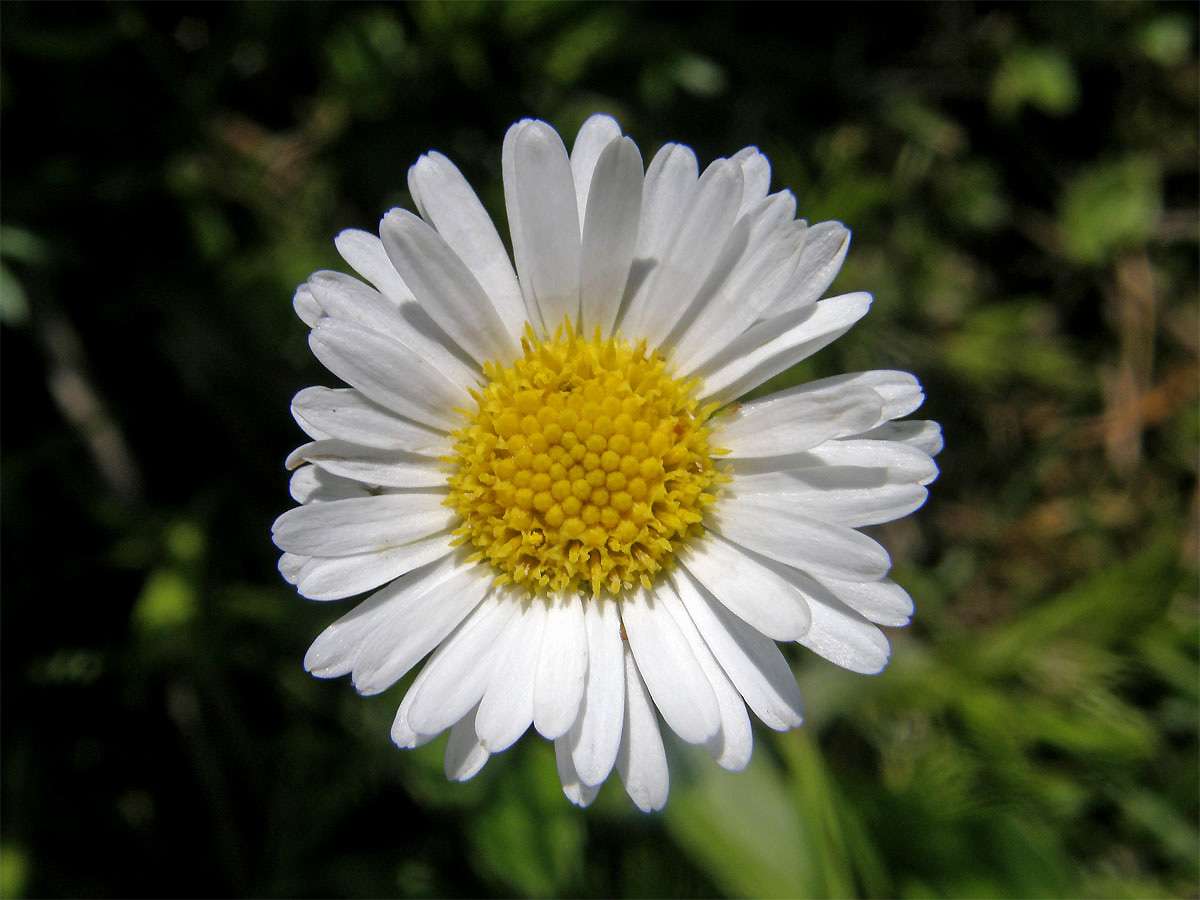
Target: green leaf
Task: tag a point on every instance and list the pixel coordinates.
(770, 833)
(1166, 39)
(840, 847)
(742, 828)
(1109, 208)
(529, 837)
(1040, 77)
(168, 599)
(14, 871)
(588, 40)
(1113, 602)
(1014, 340)
(14, 307)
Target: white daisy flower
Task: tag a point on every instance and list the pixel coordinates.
(542, 476)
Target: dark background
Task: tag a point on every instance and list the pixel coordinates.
(1022, 185)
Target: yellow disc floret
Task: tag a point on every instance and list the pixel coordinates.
(586, 466)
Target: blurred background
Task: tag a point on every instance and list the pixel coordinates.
(1022, 185)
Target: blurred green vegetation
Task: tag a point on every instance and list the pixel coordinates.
(1022, 183)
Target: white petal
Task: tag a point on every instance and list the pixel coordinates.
(751, 660)
(843, 636)
(450, 205)
(446, 289)
(349, 300)
(642, 759)
(843, 495)
(720, 270)
(669, 668)
(901, 391)
(306, 306)
(311, 485)
(767, 277)
(924, 436)
(825, 248)
(465, 755)
(365, 253)
(577, 792)
(596, 735)
(902, 461)
(516, 233)
(610, 232)
(346, 414)
(361, 524)
(732, 744)
(305, 483)
(455, 677)
(750, 590)
(370, 465)
(669, 189)
(671, 181)
(677, 277)
(549, 222)
(333, 652)
(796, 539)
(324, 578)
(769, 347)
(506, 710)
(596, 134)
(756, 176)
(837, 632)
(756, 279)
(290, 565)
(795, 420)
(344, 297)
(402, 732)
(789, 199)
(390, 373)
(401, 640)
(561, 669)
(882, 602)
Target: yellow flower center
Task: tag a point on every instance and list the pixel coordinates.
(585, 464)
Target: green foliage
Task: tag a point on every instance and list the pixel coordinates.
(1166, 38)
(14, 872)
(1022, 184)
(1109, 208)
(1039, 77)
(525, 838)
(1013, 342)
(746, 830)
(19, 246)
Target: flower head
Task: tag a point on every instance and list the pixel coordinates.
(541, 474)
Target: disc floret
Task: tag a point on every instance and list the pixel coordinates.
(584, 467)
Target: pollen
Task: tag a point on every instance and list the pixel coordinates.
(585, 467)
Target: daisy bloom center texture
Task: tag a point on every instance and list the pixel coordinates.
(541, 471)
(586, 465)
